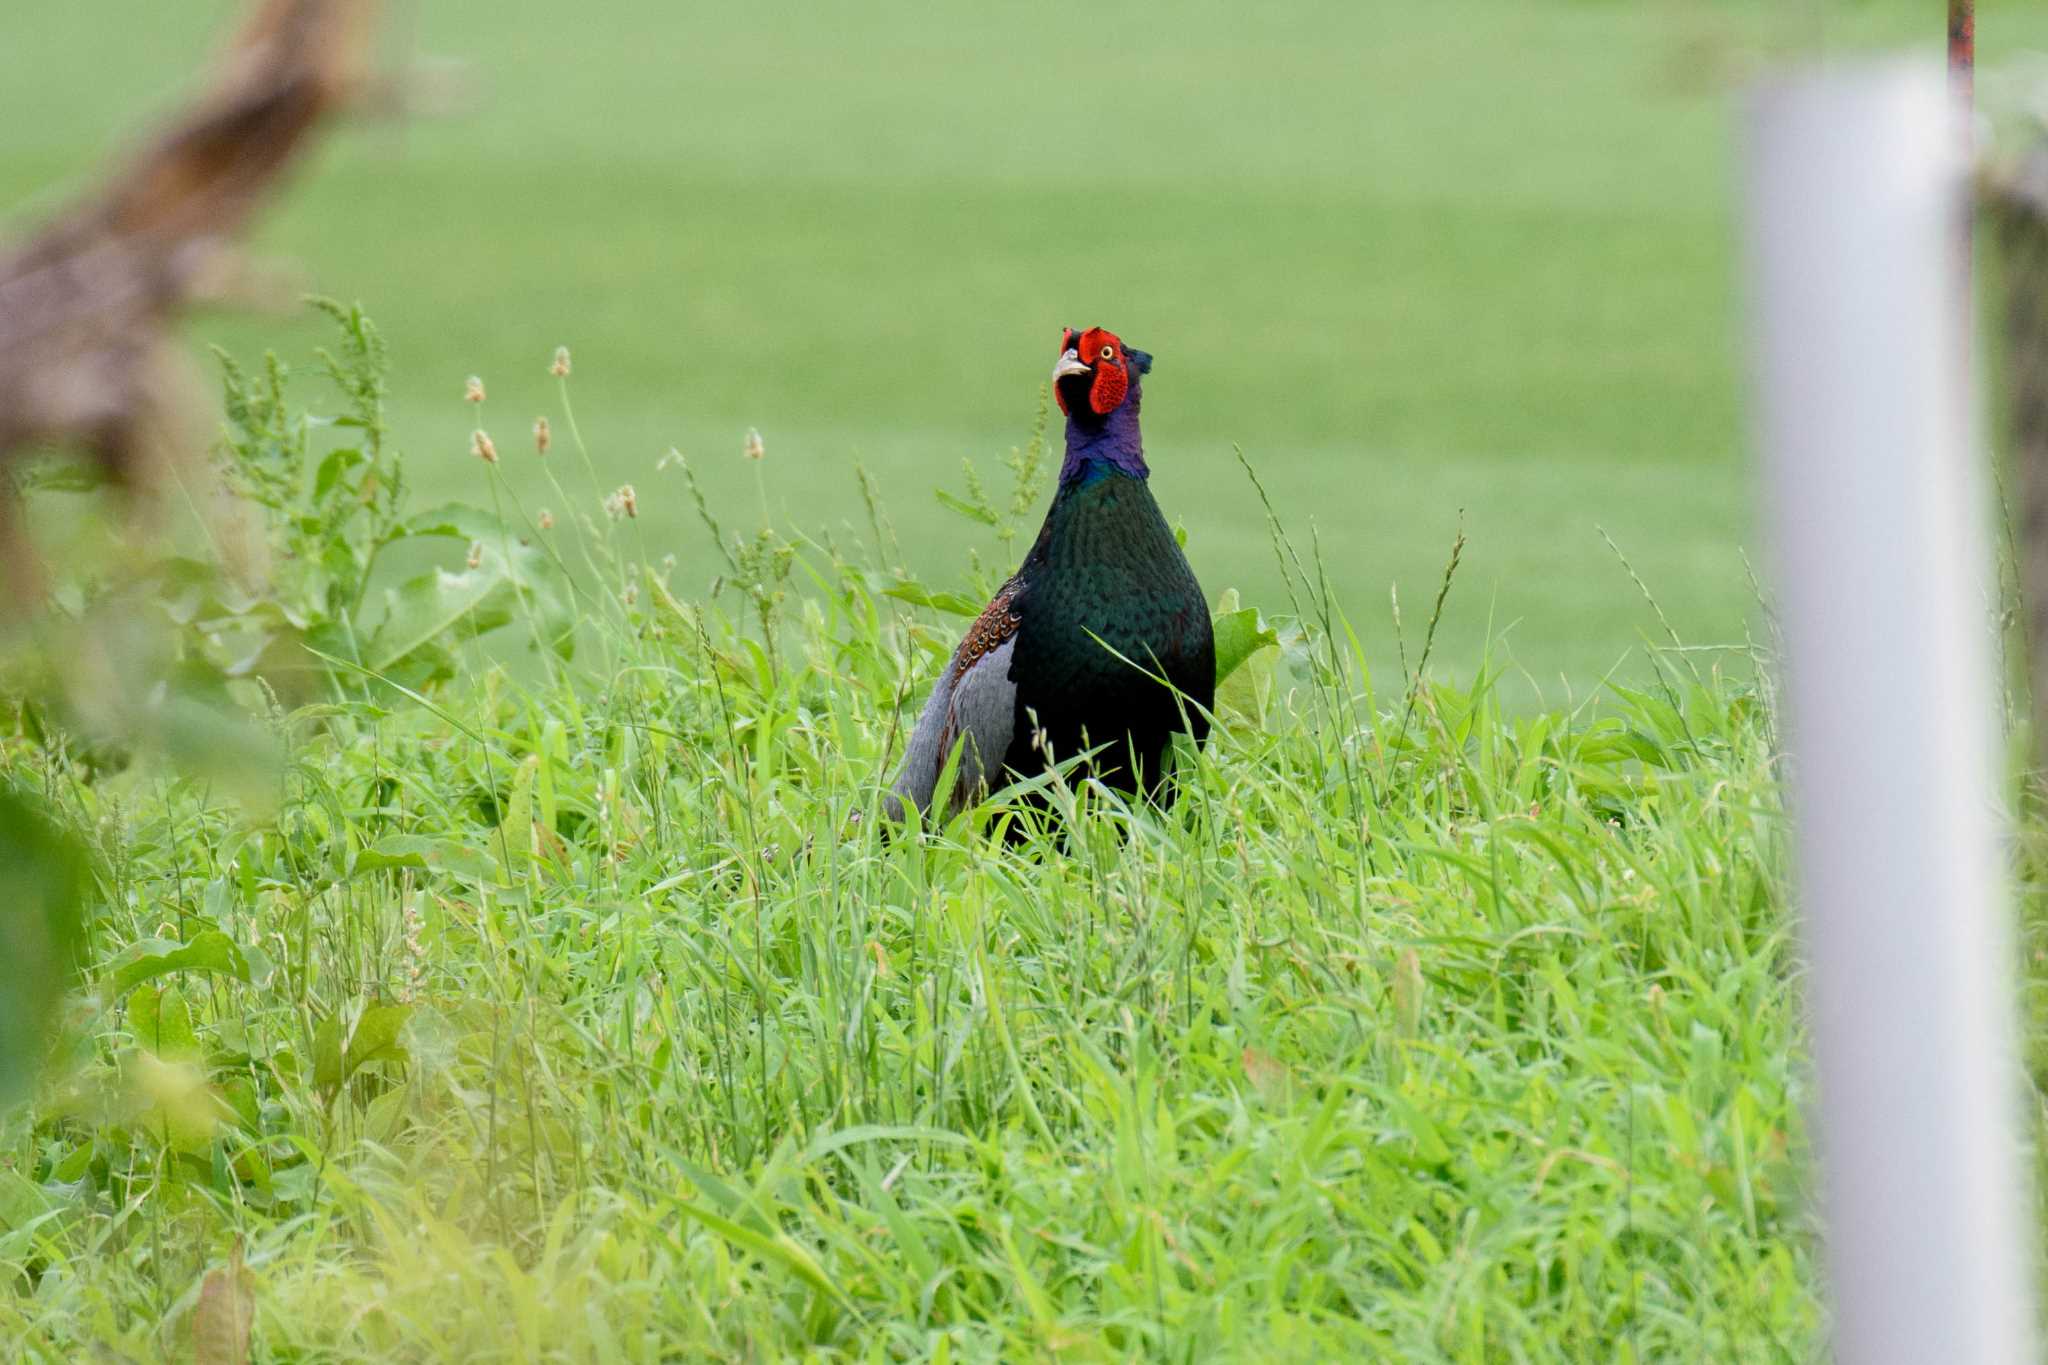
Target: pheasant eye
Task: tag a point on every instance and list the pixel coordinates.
(1109, 353)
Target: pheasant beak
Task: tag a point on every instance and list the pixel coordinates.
(1069, 363)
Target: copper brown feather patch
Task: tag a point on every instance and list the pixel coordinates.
(996, 624)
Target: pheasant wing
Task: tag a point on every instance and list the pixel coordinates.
(974, 704)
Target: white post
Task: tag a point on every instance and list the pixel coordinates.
(1855, 191)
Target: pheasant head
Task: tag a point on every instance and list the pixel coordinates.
(1096, 380)
(1096, 373)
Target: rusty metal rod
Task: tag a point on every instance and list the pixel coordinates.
(1962, 88)
(1962, 48)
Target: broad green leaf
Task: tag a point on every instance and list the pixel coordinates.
(22, 1201)
(1239, 635)
(385, 1115)
(160, 1020)
(532, 573)
(426, 609)
(239, 1094)
(455, 520)
(75, 1164)
(376, 1038)
(42, 885)
(1247, 694)
(337, 463)
(209, 950)
(1247, 661)
(465, 861)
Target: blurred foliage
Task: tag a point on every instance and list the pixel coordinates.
(42, 888)
(312, 581)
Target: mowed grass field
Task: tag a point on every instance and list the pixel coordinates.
(1413, 259)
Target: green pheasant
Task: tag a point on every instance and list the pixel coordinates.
(1101, 640)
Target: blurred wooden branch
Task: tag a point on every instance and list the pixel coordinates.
(87, 355)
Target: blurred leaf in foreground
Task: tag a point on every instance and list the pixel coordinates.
(224, 1313)
(42, 885)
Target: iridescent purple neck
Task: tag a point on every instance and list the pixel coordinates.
(1103, 445)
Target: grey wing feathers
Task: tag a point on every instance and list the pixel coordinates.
(979, 705)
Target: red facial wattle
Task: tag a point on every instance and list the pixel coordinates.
(1103, 353)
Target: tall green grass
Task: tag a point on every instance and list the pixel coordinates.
(580, 1010)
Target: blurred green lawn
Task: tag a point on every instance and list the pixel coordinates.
(1413, 258)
